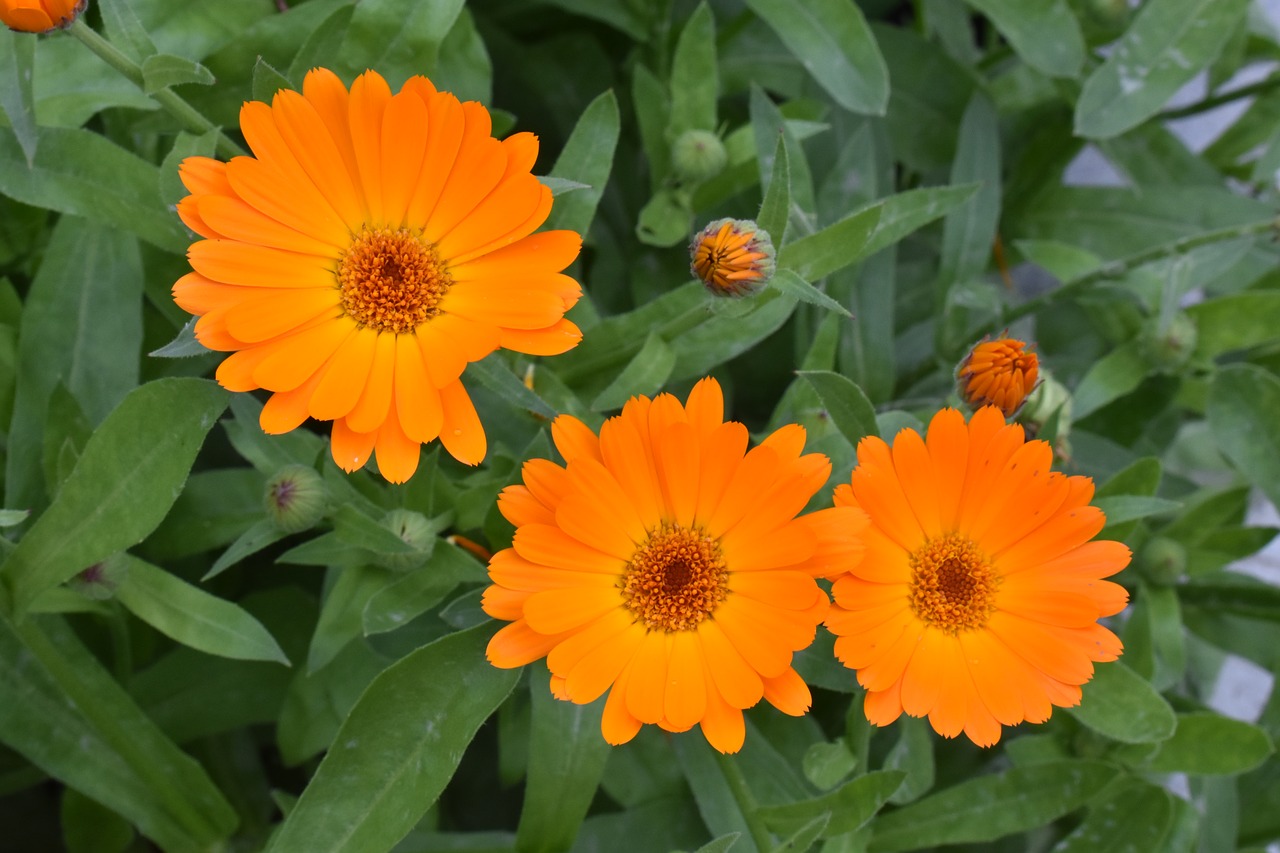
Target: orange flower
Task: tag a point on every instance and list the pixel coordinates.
(733, 257)
(978, 598)
(373, 246)
(39, 16)
(998, 373)
(665, 564)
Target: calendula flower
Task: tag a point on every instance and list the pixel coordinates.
(732, 257)
(978, 598)
(373, 246)
(998, 373)
(665, 564)
(39, 16)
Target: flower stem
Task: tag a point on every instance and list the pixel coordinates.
(1214, 101)
(1121, 267)
(189, 117)
(746, 801)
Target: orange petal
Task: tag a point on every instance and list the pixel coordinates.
(551, 546)
(678, 463)
(553, 611)
(737, 682)
(461, 432)
(686, 699)
(397, 454)
(722, 724)
(350, 449)
(788, 693)
(318, 149)
(345, 377)
(417, 401)
(574, 439)
(546, 251)
(245, 264)
(516, 645)
(647, 678)
(370, 411)
(404, 141)
(560, 337)
(370, 95)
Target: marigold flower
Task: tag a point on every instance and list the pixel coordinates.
(998, 373)
(665, 564)
(978, 598)
(39, 16)
(732, 257)
(372, 247)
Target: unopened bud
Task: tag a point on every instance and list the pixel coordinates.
(295, 498)
(733, 257)
(1163, 560)
(415, 530)
(698, 155)
(101, 580)
(998, 373)
(1169, 348)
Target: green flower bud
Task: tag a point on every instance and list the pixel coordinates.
(1169, 348)
(295, 498)
(1164, 561)
(698, 155)
(415, 530)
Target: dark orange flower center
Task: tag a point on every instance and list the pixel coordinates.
(391, 281)
(953, 586)
(675, 579)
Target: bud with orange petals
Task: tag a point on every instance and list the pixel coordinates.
(733, 257)
(40, 16)
(998, 373)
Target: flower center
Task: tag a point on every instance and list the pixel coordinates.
(391, 281)
(675, 579)
(953, 586)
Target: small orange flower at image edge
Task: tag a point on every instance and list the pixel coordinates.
(998, 373)
(39, 16)
(665, 564)
(372, 247)
(977, 600)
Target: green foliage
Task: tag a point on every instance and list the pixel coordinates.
(178, 671)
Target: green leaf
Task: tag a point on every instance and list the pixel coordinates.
(849, 806)
(969, 230)
(17, 70)
(85, 174)
(398, 37)
(869, 229)
(13, 517)
(587, 158)
(567, 754)
(89, 827)
(1243, 409)
(1235, 322)
(1043, 32)
(664, 220)
(494, 374)
(125, 30)
(1211, 744)
(193, 617)
(826, 764)
(1168, 43)
(804, 837)
(64, 713)
(1137, 817)
(695, 82)
(261, 535)
(172, 189)
(831, 39)
(716, 800)
(397, 604)
(990, 807)
(912, 754)
(728, 334)
(268, 453)
(162, 70)
(646, 373)
(1122, 705)
(848, 407)
(775, 208)
(793, 285)
(1122, 508)
(770, 127)
(1110, 378)
(398, 748)
(130, 473)
(719, 845)
(81, 326)
(267, 81)
(324, 42)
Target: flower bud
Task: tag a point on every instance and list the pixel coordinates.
(1163, 560)
(732, 257)
(1169, 348)
(698, 155)
(295, 498)
(998, 373)
(415, 530)
(101, 580)
(40, 16)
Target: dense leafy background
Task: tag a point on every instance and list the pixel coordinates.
(244, 688)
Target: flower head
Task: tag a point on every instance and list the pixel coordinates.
(664, 563)
(733, 257)
(998, 373)
(39, 16)
(295, 498)
(373, 246)
(978, 598)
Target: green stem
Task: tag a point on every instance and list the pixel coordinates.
(1221, 98)
(188, 116)
(746, 802)
(1123, 266)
